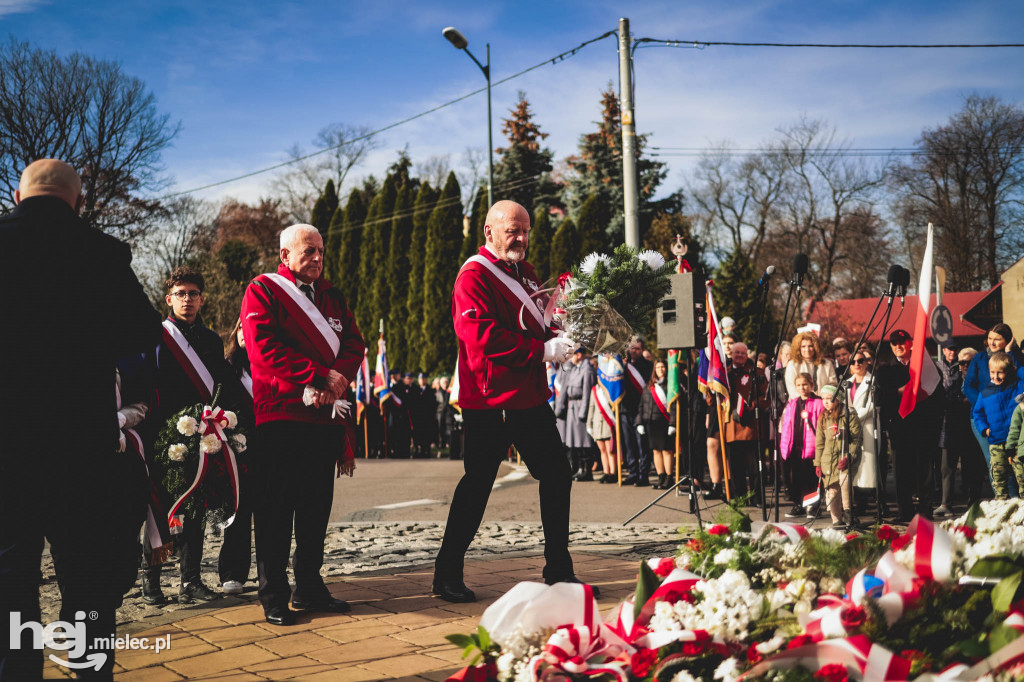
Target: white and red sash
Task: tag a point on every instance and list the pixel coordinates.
(310, 319)
(604, 406)
(189, 360)
(156, 529)
(516, 290)
(635, 377)
(246, 380)
(658, 393)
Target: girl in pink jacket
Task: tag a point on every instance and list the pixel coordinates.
(797, 431)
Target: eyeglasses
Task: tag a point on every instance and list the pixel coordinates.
(861, 361)
(964, 363)
(182, 295)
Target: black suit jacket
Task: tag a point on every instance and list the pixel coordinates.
(71, 305)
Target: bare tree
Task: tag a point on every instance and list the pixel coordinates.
(737, 198)
(183, 232)
(342, 147)
(434, 170)
(968, 179)
(474, 164)
(86, 112)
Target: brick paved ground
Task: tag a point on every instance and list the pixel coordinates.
(395, 629)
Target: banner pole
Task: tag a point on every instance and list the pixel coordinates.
(618, 441)
(366, 437)
(721, 441)
(677, 439)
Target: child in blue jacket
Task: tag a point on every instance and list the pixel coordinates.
(992, 416)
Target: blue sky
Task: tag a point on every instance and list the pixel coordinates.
(248, 80)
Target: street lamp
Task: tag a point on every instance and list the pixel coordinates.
(456, 38)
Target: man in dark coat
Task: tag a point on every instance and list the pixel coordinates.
(176, 389)
(636, 453)
(76, 306)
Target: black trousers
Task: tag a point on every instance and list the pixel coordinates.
(915, 448)
(91, 520)
(800, 478)
(235, 558)
(295, 466)
(488, 434)
(636, 459)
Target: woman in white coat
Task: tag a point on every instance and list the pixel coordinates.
(860, 398)
(809, 358)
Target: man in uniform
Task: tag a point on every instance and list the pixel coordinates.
(636, 453)
(503, 344)
(73, 306)
(305, 349)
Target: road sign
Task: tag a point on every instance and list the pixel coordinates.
(941, 324)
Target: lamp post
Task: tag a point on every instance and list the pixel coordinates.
(456, 38)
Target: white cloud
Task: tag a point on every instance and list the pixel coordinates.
(19, 6)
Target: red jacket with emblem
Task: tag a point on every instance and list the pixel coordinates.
(284, 358)
(501, 344)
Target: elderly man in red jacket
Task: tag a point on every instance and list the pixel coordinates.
(503, 393)
(304, 348)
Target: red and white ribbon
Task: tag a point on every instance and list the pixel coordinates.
(634, 377)
(660, 400)
(859, 654)
(189, 360)
(933, 550)
(794, 532)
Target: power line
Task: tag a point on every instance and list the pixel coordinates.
(701, 44)
(553, 60)
(825, 151)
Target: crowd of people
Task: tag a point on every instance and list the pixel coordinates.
(119, 375)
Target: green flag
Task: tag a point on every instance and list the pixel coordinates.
(673, 375)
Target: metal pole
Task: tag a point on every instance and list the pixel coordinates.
(629, 177)
(490, 141)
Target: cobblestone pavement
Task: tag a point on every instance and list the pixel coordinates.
(353, 548)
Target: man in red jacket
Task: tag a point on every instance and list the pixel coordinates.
(503, 393)
(304, 348)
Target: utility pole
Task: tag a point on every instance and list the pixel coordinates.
(629, 177)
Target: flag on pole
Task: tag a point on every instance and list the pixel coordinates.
(362, 387)
(382, 377)
(549, 368)
(711, 374)
(674, 376)
(924, 375)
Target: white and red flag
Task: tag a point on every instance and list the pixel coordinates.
(924, 375)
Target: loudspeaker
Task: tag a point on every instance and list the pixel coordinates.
(682, 317)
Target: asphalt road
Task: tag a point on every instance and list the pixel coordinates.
(421, 490)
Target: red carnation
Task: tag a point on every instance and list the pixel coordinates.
(886, 533)
(695, 545)
(675, 593)
(900, 542)
(853, 617)
(833, 672)
(642, 662)
(664, 567)
(911, 654)
(718, 529)
(692, 648)
(799, 641)
(753, 655)
(966, 531)
(563, 278)
(850, 536)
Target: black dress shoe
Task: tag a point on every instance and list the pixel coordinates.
(454, 591)
(573, 579)
(629, 480)
(280, 615)
(640, 482)
(330, 604)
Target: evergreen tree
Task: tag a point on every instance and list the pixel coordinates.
(424, 204)
(523, 173)
(345, 275)
(444, 238)
(332, 247)
(539, 254)
(324, 209)
(565, 250)
(400, 171)
(598, 170)
(373, 257)
(397, 274)
(738, 296)
(592, 225)
(478, 218)
(469, 246)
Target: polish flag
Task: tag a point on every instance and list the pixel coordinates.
(924, 375)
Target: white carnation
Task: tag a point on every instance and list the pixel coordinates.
(728, 670)
(684, 676)
(238, 442)
(176, 452)
(726, 556)
(232, 418)
(654, 260)
(209, 444)
(591, 261)
(187, 426)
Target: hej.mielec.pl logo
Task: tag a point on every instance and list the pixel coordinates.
(60, 635)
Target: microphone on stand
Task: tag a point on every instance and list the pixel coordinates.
(893, 278)
(903, 284)
(800, 264)
(768, 272)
